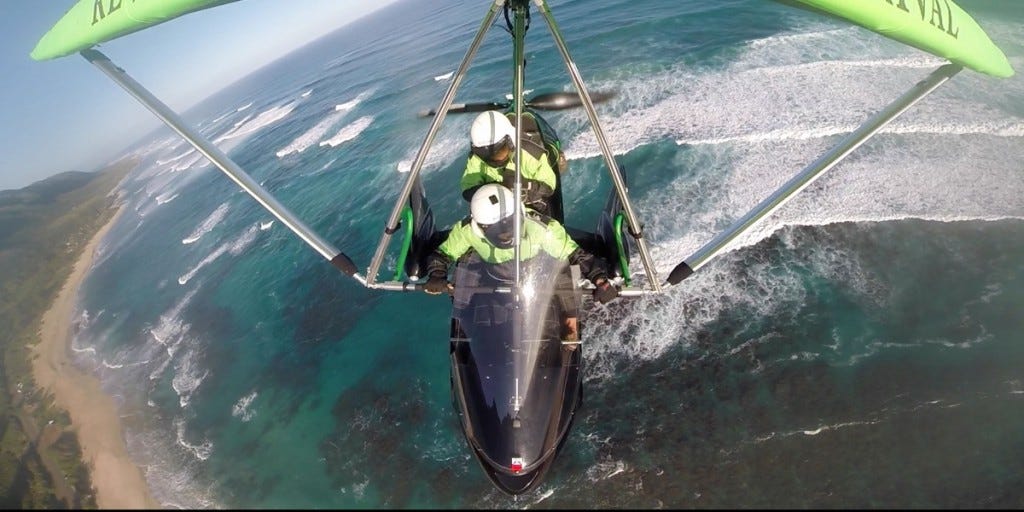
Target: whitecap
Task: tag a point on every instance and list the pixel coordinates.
(351, 104)
(207, 224)
(441, 154)
(170, 329)
(349, 132)
(233, 247)
(166, 197)
(251, 125)
(242, 410)
(188, 377)
(190, 151)
(201, 451)
(312, 135)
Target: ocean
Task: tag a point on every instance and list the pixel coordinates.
(862, 348)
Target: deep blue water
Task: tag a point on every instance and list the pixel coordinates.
(862, 349)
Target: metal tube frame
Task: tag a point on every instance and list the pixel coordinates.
(421, 155)
(635, 228)
(215, 155)
(825, 162)
(518, 77)
(697, 260)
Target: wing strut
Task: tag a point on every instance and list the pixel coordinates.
(797, 183)
(421, 155)
(635, 229)
(224, 163)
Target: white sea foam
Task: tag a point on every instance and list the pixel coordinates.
(207, 224)
(815, 431)
(266, 225)
(755, 123)
(446, 76)
(85, 350)
(170, 462)
(1006, 128)
(605, 470)
(244, 107)
(242, 409)
(242, 121)
(313, 135)
(117, 366)
(175, 158)
(251, 125)
(155, 146)
(200, 451)
(327, 165)
(441, 153)
(234, 247)
(349, 132)
(544, 495)
(188, 376)
(171, 333)
(171, 328)
(194, 160)
(166, 197)
(351, 104)
(221, 117)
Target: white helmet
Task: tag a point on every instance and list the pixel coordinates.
(491, 209)
(491, 128)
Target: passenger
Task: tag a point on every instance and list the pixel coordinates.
(492, 140)
(489, 231)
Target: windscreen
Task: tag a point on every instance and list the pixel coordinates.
(517, 382)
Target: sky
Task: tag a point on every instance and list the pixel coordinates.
(65, 115)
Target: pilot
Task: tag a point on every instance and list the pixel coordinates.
(489, 231)
(492, 139)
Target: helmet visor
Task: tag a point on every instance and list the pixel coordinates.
(501, 233)
(497, 154)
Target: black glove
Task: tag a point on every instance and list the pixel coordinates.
(436, 285)
(605, 292)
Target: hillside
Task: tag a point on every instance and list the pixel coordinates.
(43, 229)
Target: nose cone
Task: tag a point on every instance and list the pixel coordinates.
(518, 483)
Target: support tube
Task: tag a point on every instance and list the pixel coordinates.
(435, 125)
(813, 171)
(613, 168)
(223, 162)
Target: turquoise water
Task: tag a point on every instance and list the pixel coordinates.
(861, 349)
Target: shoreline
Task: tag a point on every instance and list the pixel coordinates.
(95, 418)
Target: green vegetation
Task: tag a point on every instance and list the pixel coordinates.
(43, 229)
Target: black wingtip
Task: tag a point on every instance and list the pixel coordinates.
(682, 271)
(344, 264)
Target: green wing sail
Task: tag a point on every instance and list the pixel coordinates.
(90, 22)
(938, 27)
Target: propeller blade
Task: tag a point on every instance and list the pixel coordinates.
(564, 100)
(460, 108)
(548, 101)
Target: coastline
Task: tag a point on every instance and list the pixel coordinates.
(119, 483)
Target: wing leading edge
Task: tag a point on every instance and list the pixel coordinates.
(91, 22)
(938, 27)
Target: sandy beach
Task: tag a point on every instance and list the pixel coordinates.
(94, 416)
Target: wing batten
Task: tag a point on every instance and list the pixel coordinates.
(938, 27)
(91, 22)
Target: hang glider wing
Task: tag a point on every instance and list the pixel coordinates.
(938, 27)
(91, 22)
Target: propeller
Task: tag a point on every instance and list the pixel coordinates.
(547, 101)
